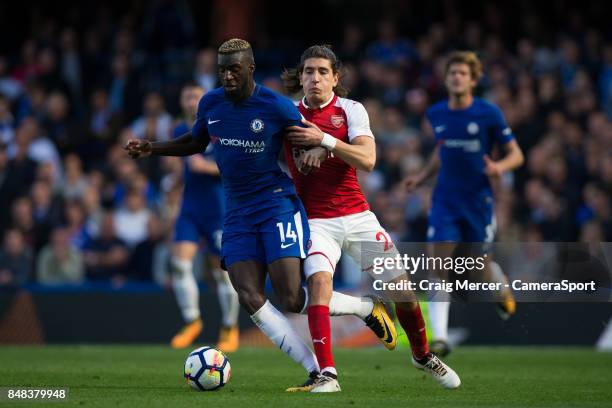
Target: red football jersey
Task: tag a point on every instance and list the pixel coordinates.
(333, 190)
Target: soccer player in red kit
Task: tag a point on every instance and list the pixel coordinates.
(340, 141)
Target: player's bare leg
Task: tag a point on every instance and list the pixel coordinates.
(228, 300)
(248, 278)
(186, 292)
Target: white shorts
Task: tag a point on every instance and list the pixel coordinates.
(330, 236)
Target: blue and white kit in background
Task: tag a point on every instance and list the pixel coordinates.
(462, 202)
(264, 220)
(196, 220)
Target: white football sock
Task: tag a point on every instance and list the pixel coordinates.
(278, 329)
(228, 298)
(185, 288)
(438, 319)
(342, 305)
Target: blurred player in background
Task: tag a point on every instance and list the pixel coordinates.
(339, 216)
(466, 129)
(197, 220)
(265, 227)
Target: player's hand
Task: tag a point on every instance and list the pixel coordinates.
(311, 160)
(310, 135)
(137, 148)
(492, 168)
(412, 182)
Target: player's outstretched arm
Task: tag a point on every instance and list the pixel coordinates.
(185, 145)
(430, 169)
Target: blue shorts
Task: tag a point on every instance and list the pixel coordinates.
(192, 227)
(454, 224)
(282, 234)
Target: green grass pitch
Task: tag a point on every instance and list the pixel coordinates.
(151, 376)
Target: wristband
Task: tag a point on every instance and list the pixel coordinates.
(328, 142)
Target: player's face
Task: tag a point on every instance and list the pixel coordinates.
(235, 73)
(318, 80)
(190, 98)
(459, 79)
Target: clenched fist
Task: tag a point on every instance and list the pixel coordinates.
(137, 148)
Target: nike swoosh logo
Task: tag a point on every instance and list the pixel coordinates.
(283, 246)
(210, 122)
(439, 129)
(389, 338)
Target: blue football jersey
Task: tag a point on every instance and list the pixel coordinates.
(246, 139)
(464, 137)
(201, 188)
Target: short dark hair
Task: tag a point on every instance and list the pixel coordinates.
(291, 77)
(465, 57)
(234, 45)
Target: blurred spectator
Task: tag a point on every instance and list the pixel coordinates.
(70, 65)
(48, 71)
(206, 69)
(57, 124)
(9, 87)
(101, 128)
(75, 181)
(123, 88)
(145, 253)
(131, 220)
(93, 210)
(30, 140)
(155, 123)
(7, 122)
(47, 208)
(106, 256)
(15, 259)
(74, 223)
(389, 48)
(59, 262)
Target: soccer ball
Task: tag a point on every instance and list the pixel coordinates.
(207, 369)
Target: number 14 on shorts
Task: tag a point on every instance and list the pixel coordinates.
(286, 234)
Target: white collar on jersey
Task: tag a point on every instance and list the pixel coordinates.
(320, 107)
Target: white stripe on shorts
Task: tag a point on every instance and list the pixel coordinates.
(297, 217)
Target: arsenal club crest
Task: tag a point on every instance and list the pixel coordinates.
(337, 120)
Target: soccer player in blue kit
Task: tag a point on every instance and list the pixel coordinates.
(466, 129)
(265, 226)
(195, 221)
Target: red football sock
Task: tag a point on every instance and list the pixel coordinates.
(320, 331)
(414, 326)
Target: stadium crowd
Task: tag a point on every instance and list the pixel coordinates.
(74, 207)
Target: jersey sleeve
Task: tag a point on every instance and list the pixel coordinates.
(289, 113)
(500, 129)
(358, 121)
(199, 130)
